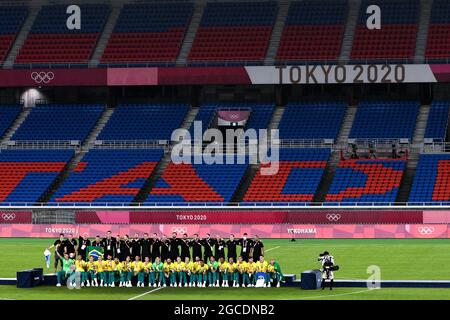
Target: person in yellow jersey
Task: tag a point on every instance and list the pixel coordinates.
(240, 271)
(148, 270)
(246, 275)
(202, 274)
(109, 270)
(138, 268)
(223, 271)
(274, 274)
(169, 272)
(191, 271)
(90, 269)
(233, 274)
(126, 273)
(261, 267)
(180, 268)
(251, 270)
(100, 270)
(118, 270)
(80, 268)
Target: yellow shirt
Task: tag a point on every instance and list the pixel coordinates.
(110, 265)
(261, 267)
(126, 266)
(241, 266)
(179, 266)
(118, 267)
(270, 268)
(147, 266)
(99, 266)
(137, 266)
(80, 265)
(224, 266)
(191, 266)
(232, 267)
(90, 265)
(167, 267)
(251, 267)
(203, 269)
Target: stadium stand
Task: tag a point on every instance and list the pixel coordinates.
(148, 33)
(197, 183)
(437, 121)
(11, 19)
(385, 120)
(296, 182)
(27, 174)
(314, 31)
(315, 120)
(8, 113)
(396, 40)
(259, 118)
(50, 41)
(108, 176)
(234, 31)
(59, 122)
(375, 181)
(438, 41)
(432, 180)
(144, 121)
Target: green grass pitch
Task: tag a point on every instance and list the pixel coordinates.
(398, 259)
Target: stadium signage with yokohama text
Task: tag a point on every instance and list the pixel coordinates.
(341, 74)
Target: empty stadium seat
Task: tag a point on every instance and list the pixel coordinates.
(11, 19)
(314, 121)
(8, 113)
(108, 176)
(437, 121)
(362, 181)
(59, 122)
(385, 120)
(234, 31)
(144, 121)
(50, 41)
(26, 175)
(297, 179)
(396, 40)
(438, 40)
(148, 33)
(313, 31)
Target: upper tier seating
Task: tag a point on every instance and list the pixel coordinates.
(59, 122)
(438, 41)
(432, 180)
(26, 175)
(108, 176)
(50, 41)
(375, 181)
(297, 179)
(437, 121)
(234, 31)
(144, 121)
(148, 33)
(385, 120)
(315, 120)
(197, 183)
(11, 19)
(396, 40)
(313, 31)
(8, 113)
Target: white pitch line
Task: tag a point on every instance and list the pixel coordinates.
(334, 295)
(145, 293)
(273, 248)
(6, 299)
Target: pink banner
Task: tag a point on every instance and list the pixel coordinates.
(233, 115)
(436, 216)
(252, 217)
(132, 76)
(9, 216)
(395, 231)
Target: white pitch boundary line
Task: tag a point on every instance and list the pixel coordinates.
(334, 295)
(6, 298)
(272, 248)
(145, 293)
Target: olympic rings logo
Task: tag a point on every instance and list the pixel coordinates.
(179, 230)
(42, 77)
(426, 230)
(8, 216)
(333, 217)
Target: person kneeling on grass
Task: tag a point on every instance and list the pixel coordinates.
(66, 270)
(90, 268)
(170, 272)
(109, 272)
(223, 272)
(126, 273)
(100, 273)
(191, 271)
(138, 268)
(213, 267)
(180, 268)
(233, 274)
(148, 270)
(275, 273)
(261, 266)
(158, 266)
(241, 266)
(251, 271)
(202, 274)
(80, 268)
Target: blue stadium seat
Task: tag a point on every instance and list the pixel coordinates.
(8, 113)
(437, 121)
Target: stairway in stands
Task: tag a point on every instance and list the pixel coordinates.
(422, 33)
(411, 165)
(349, 33)
(333, 162)
(191, 32)
(165, 160)
(79, 154)
(15, 125)
(22, 35)
(106, 34)
(283, 8)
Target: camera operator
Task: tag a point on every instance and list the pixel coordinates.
(328, 267)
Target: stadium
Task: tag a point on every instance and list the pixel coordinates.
(346, 103)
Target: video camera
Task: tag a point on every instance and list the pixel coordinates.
(327, 261)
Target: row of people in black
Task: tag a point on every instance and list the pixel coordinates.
(163, 247)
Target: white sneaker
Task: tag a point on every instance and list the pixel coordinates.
(278, 285)
(58, 284)
(190, 285)
(204, 284)
(217, 284)
(269, 285)
(88, 284)
(120, 284)
(237, 285)
(165, 285)
(243, 285)
(193, 284)
(82, 284)
(185, 285)
(179, 285)
(159, 285)
(265, 285)
(154, 285)
(113, 285)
